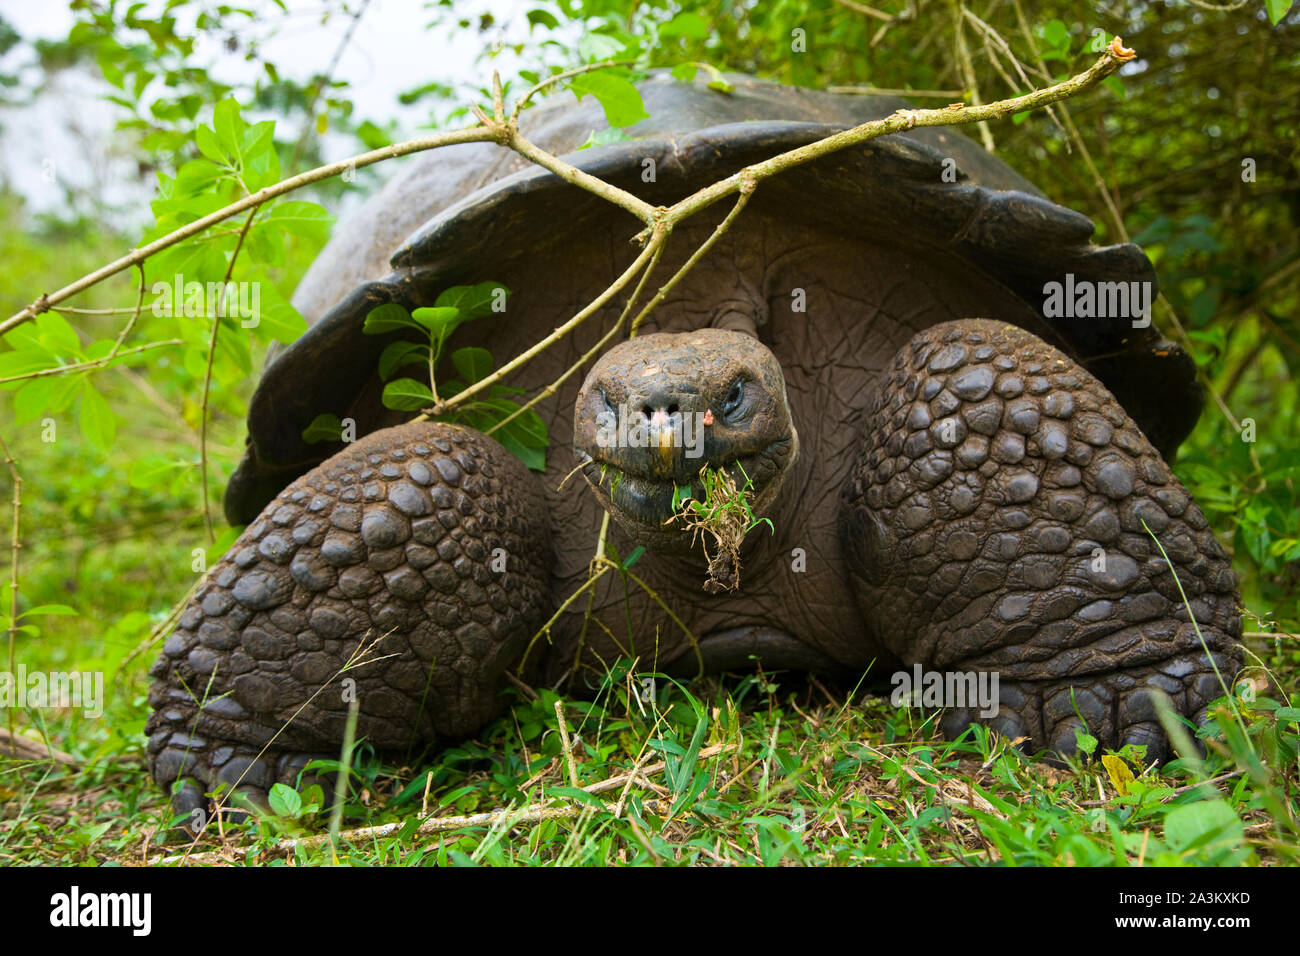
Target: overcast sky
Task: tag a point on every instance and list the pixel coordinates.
(68, 135)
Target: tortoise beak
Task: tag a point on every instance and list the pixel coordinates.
(663, 441)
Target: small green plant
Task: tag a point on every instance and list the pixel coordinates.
(453, 308)
(726, 515)
(493, 410)
(290, 805)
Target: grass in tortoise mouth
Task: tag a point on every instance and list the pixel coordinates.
(715, 509)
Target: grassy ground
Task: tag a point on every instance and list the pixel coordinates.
(764, 769)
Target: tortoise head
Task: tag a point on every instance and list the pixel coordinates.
(658, 409)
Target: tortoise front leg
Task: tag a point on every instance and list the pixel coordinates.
(995, 523)
(405, 573)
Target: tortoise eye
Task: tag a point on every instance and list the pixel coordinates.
(734, 398)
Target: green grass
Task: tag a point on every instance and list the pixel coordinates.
(759, 770)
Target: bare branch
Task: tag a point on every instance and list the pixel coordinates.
(472, 134)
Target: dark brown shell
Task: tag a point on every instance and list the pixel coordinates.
(450, 214)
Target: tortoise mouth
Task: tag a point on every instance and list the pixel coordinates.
(637, 497)
(659, 410)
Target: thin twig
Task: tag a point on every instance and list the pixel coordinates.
(866, 10)
(207, 375)
(967, 69)
(995, 43)
(326, 79)
(23, 748)
(573, 175)
(135, 314)
(566, 745)
(746, 190)
(94, 364)
(591, 353)
(15, 544)
(890, 91)
(471, 134)
(651, 249)
(560, 77)
(903, 120)
(533, 813)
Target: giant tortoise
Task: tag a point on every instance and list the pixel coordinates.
(957, 477)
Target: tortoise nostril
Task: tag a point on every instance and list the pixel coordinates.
(648, 412)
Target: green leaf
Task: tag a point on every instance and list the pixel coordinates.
(407, 394)
(300, 218)
(1057, 34)
(1085, 741)
(472, 364)
(233, 358)
(264, 246)
(437, 320)
(26, 336)
(473, 300)
(528, 429)
(1206, 823)
(41, 396)
(620, 100)
(533, 458)
(23, 361)
(1277, 9)
(261, 161)
(324, 427)
(372, 136)
(606, 136)
(688, 24)
(196, 178)
(98, 424)
(284, 800)
(100, 349)
(49, 609)
(227, 124)
(543, 18)
(593, 47)
(57, 334)
(579, 795)
(398, 354)
(389, 317)
(685, 72)
(277, 319)
(274, 315)
(151, 470)
(206, 140)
